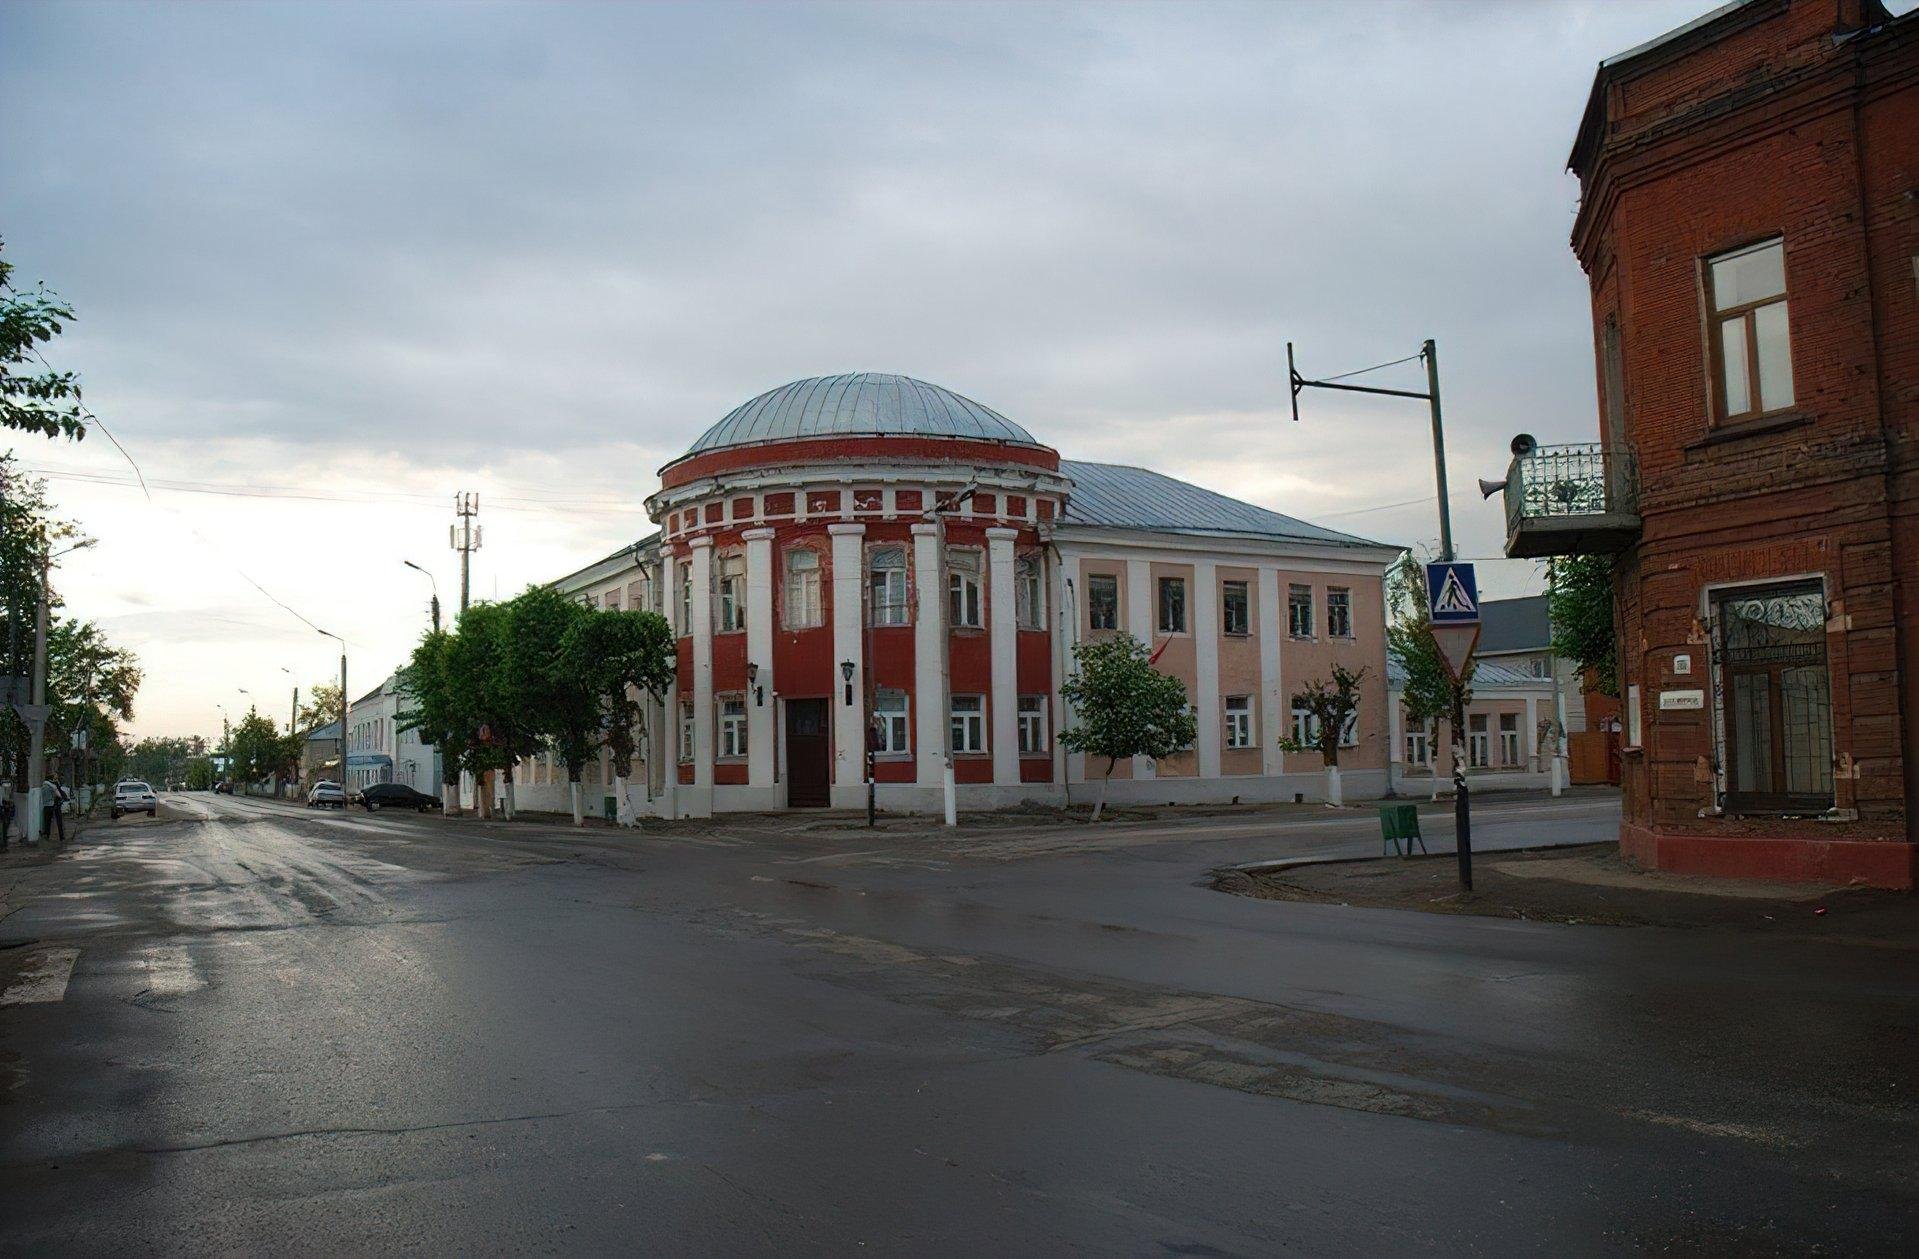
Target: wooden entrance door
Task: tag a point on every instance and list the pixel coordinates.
(809, 759)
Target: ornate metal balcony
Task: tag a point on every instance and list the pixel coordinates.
(1571, 500)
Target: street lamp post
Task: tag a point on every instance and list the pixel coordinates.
(436, 591)
(336, 638)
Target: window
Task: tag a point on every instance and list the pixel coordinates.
(1305, 728)
(1029, 593)
(1234, 610)
(732, 594)
(886, 586)
(802, 588)
(1539, 666)
(962, 589)
(1239, 720)
(1172, 605)
(1339, 612)
(1349, 733)
(686, 597)
(1509, 738)
(1102, 601)
(732, 728)
(1419, 747)
(612, 601)
(969, 723)
(891, 732)
(1751, 345)
(1777, 702)
(1032, 724)
(1478, 742)
(686, 730)
(1299, 611)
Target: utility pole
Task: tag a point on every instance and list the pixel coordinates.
(465, 537)
(435, 583)
(37, 727)
(1429, 353)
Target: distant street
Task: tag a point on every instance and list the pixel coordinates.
(258, 1028)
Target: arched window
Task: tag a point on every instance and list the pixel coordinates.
(886, 585)
(802, 588)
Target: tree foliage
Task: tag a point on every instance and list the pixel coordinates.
(1124, 707)
(260, 751)
(1581, 601)
(621, 655)
(163, 758)
(35, 398)
(1330, 703)
(321, 705)
(552, 694)
(428, 691)
(1428, 689)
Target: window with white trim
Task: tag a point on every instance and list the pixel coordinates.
(969, 723)
(1172, 605)
(1032, 725)
(1029, 592)
(1305, 728)
(732, 727)
(686, 597)
(732, 591)
(1419, 746)
(1102, 601)
(803, 588)
(1299, 611)
(686, 730)
(1339, 612)
(886, 585)
(1478, 742)
(1509, 738)
(892, 730)
(1349, 733)
(1235, 608)
(1239, 721)
(963, 589)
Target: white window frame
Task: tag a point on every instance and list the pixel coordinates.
(1245, 595)
(1419, 746)
(731, 581)
(1029, 592)
(1239, 722)
(1160, 586)
(1305, 728)
(1092, 620)
(1299, 615)
(1509, 739)
(686, 597)
(731, 710)
(1349, 735)
(1031, 715)
(966, 725)
(804, 606)
(964, 601)
(1339, 612)
(1479, 743)
(889, 607)
(893, 713)
(688, 730)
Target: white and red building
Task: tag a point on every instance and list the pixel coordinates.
(870, 559)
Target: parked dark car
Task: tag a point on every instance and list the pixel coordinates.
(396, 796)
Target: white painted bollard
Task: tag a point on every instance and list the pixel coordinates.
(952, 794)
(1559, 774)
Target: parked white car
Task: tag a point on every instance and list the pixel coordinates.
(326, 795)
(133, 796)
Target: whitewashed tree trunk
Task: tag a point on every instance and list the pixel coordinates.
(622, 806)
(573, 790)
(1334, 795)
(509, 794)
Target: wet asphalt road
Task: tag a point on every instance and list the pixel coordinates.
(270, 1030)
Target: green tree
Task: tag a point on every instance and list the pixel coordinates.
(485, 695)
(34, 398)
(621, 655)
(552, 692)
(1428, 691)
(1330, 704)
(321, 705)
(162, 759)
(199, 773)
(259, 750)
(431, 710)
(1581, 601)
(1122, 706)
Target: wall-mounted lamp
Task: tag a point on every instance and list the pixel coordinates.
(752, 680)
(846, 674)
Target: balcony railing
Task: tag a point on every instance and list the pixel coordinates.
(1571, 500)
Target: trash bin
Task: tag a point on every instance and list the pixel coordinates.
(1399, 824)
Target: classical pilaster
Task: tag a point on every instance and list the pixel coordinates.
(1139, 623)
(701, 805)
(1206, 665)
(1273, 708)
(929, 655)
(849, 720)
(759, 656)
(1004, 654)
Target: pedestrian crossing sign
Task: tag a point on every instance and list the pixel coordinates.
(1452, 594)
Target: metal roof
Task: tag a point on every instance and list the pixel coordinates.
(859, 404)
(1515, 624)
(1113, 496)
(331, 730)
(1485, 673)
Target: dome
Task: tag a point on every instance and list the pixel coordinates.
(863, 404)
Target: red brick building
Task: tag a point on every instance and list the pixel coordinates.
(1749, 224)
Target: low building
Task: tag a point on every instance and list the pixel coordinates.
(869, 574)
(320, 756)
(1509, 735)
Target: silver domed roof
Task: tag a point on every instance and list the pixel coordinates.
(859, 404)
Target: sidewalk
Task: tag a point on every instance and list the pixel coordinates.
(1590, 884)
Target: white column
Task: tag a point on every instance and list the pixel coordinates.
(1004, 655)
(849, 728)
(1139, 623)
(1395, 741)
(1274, 711)
(929, 643)
(759, 653)
(1206, 664)
(701, 803)
(1532, 734)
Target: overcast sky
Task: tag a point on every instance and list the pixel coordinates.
(336, 262)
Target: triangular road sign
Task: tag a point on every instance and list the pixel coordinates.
(1456, 644)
